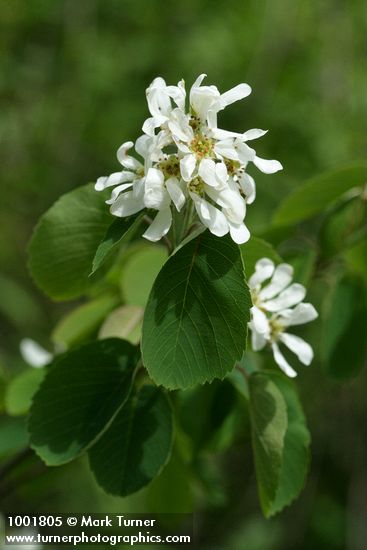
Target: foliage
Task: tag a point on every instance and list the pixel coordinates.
(72, 92)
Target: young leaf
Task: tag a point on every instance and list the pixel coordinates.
(254, 250)
(136, 446)
(124, 322)
(121, 230)
(269, 424)
(64, 242)
(82, 321)
(139, 273)
(195, 322)
(318, 193)
(81, 394)
(21, 389)
(296, 449)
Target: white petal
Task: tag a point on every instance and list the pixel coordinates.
(296, 344)
(114, 179)
(244, 152)
(119, 189)
(179, 126)
(258, 340)
(302, 313)
(281, 278)
(138, 188)
(178, 94)
(234, 206)
(34, 354)
(159, 103)
(254, 133)
(281, 361)
(226, 149)
(287, 298)
(267, 166)
(221, 172)
(126, 160)
(212, 120)
(235, 94)
(210, 216)
(204, 99)
(264, 269)
(199, 80)
(155, 195)
(239, 232)
(175, 190)
(247, 184)
(220, 134)
(127, 204)
(228, 198)
(260, 321)
(160, 225)
(207, 172)
(187, 167)
(182, 147)
(149, 126)
(143, 145)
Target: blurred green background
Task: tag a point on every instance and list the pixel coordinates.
(73, 75)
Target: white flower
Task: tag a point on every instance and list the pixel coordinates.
(277, 306)
(188, 159)
(34, 354)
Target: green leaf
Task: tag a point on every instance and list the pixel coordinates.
(13, 435)
(344, 343)
(21, 389)
(195, 322)
(315, 195)
(125, 322)
(136, 446)
(140, 272)
(82, 321)
(296, 451)
(81, 394)
(254, 250)
(120, 231)
(268, 412)
(203, 411)
(65, 241)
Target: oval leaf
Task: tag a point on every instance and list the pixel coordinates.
(316, 194)
(195, 322)
(121, 230)
(125, 322)
(139, 273)
(136, 446)
(65, 240)
(78, 399)
(269, 424)
(20, 391)
(81, 322)
(296, 449)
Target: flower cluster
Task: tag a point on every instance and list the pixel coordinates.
(277, 306)
(187, 160)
